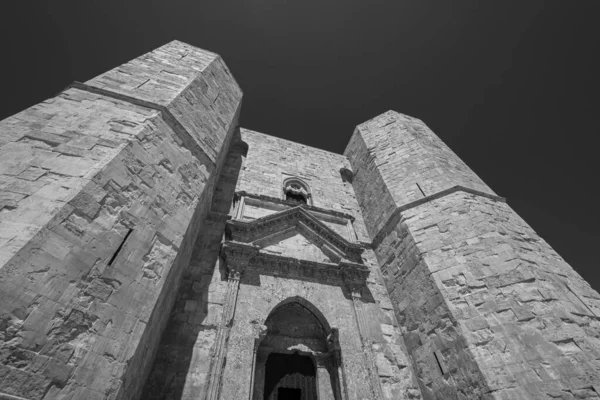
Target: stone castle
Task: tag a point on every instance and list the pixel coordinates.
(150, 248)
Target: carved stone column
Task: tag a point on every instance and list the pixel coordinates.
(259, 375)
(238, 205)
(324, 376)
(369, 358)
(337, 365)
(220, 348)
(259, 359)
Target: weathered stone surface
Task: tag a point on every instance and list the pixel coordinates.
(188, 350)
(487, 308)
(182, 365)
(102, 201)
(143, 235)
(187, 82)
(271, 160)
(401, 161)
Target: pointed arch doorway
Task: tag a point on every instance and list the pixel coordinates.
(297, 357)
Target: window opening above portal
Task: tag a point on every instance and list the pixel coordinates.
(296, 190)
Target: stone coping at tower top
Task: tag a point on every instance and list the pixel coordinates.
(392, 220)
(354, 132)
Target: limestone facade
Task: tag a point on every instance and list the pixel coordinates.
(150, 248)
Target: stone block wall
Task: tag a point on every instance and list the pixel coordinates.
(487, 308)
(255, 303)
(114, 197)
(271, 160)
(104, 191)
(398, 160)
(394, 368)
(528, 319)
(182, 366)
(186, 82)
(257, 165)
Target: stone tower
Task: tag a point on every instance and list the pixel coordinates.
(150, 248)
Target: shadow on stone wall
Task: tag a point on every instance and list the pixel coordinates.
(254, 280)
(181, 367)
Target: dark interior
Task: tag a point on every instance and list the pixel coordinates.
(281, 365)
(289, 394)
(298, 198)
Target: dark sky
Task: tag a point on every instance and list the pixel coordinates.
(511, 86)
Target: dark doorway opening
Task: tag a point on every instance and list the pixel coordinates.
(289, 394)
(290, 377)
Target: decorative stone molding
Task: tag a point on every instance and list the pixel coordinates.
(296, 187)
(333, 345)
(238, 195)
(293, 187)
(254, 231)
(247, 256)
(283, 344)
(220, 349)
(337, 365)
(323, 360)
(369, 358)
(260, 331)
(243, 255)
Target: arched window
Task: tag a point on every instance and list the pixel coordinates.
(296, 190)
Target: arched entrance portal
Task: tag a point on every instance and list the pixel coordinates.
(296, 358)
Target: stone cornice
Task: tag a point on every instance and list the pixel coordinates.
(292, 204)
(254, 231)
(394, 218)
(244, 256)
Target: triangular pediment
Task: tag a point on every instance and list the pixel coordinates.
(294, 233)
(293, 243)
